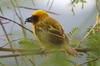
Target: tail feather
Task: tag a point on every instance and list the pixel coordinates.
(71, 51)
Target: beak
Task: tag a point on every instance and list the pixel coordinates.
(30, 20)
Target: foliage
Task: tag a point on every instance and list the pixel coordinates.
(74, 2)
(75, 29)
(71, 34)
(94, 63)
(28, 43)
(94, 40)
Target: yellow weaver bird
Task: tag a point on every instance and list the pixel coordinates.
(49, 33)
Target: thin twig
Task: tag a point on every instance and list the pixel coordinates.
(19, 17)
(7, 34)
(51, 4)
(18, 49)
(8, 39)
(15, 55)
(35, 9)
(33, 2)
(3, 39)
(72, 62)
(31, 61)
(48, 2)
(89, 61)
(15, 23)
(12, 41)
(5, 23)
(22, 54)
(88, 33)
(27, 8)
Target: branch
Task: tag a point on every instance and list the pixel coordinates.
(37, 50)
(88, 33)
(15, 55)
(12, 41)
(89, 61)
(3, 39)
(35, 9)
(24, 52)
(6, 34)
(15, 23)
(19, 50)
(10, 44)
(4, 23)
(51, 4)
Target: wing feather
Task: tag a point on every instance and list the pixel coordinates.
(53, 30)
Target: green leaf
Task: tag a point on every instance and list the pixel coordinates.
(74, 43)
(93, 63)
(28, 43)
(70, 34)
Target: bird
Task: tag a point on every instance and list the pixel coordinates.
(49, 32)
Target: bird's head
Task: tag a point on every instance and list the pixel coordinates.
(37, 16)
